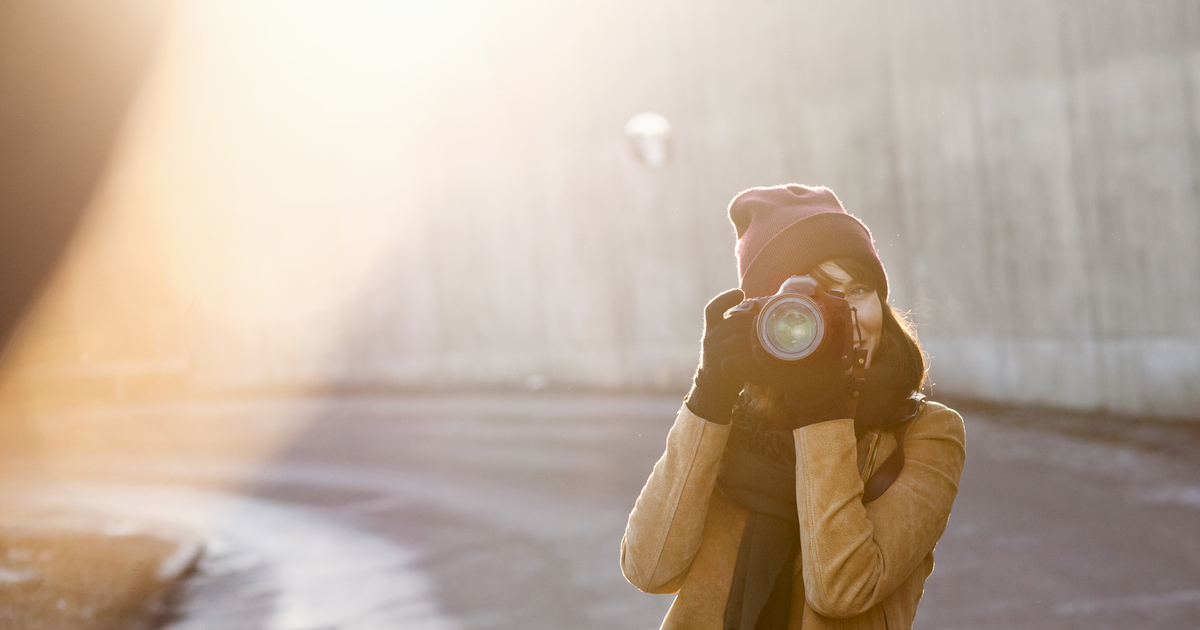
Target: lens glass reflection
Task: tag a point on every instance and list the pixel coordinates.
(790, 328)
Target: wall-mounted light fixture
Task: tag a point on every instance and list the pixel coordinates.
(649, 134)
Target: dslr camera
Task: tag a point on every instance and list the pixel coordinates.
(802, 322)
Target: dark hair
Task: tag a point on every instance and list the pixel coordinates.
(897, 334)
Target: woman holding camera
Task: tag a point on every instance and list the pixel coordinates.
(799, 493)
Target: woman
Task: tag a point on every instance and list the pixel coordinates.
(793, 494)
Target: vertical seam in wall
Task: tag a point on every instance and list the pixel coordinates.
(1193, 138)
(1002, 328)
(1089, 242)
(890, 89)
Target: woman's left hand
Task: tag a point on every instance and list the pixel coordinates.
(815, 391)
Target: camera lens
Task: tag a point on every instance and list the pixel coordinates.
(790, 327)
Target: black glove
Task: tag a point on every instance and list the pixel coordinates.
(814, 391)
(714, 391)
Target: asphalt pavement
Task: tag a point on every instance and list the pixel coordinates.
(497, 511)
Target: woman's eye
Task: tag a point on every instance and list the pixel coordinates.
(858, 291)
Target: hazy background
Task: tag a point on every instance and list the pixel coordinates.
(378, 313)
(442, 195)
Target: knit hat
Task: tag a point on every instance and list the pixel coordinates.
(787, 230)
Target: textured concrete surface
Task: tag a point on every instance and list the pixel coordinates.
(431, 197)
(487, 512)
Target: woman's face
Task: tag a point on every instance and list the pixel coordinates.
(861, 297)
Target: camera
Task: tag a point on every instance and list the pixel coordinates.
(802, 322)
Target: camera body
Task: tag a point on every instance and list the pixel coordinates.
(802, 322)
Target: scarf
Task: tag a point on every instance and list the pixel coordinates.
(758, 472)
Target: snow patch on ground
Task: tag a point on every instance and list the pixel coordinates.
(316, 573)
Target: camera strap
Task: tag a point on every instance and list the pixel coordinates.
(858, 378)
(858, 370)
(889, 470)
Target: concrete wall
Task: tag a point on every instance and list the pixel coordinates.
(467, 211)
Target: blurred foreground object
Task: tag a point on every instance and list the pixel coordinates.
(68, 73)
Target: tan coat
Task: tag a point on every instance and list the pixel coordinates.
(858, 567)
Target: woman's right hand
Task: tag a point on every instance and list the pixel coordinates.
(714, 390)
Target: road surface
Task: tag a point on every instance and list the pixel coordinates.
(506, 511)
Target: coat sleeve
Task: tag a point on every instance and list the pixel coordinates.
(855, 555)
(667, 522)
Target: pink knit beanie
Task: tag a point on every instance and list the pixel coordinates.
(787, 230)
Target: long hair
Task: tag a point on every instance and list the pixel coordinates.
(896, 336)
